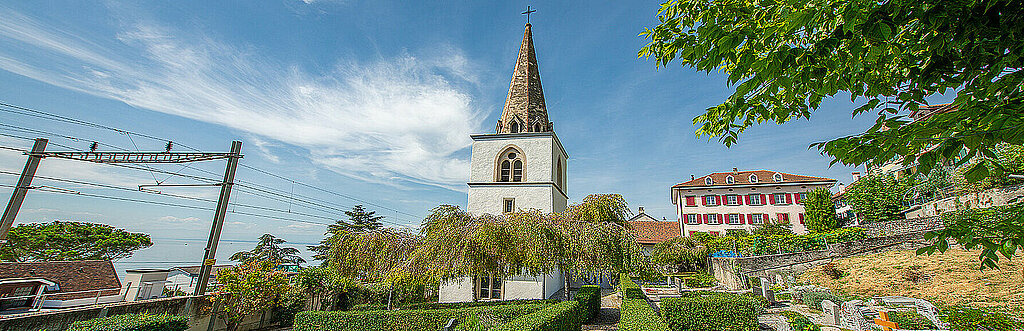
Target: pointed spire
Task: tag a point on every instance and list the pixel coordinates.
(525, 110)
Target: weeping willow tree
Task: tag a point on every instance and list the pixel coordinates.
(683, 254)
(587, 239)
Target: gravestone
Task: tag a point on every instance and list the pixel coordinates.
(924, 308)
(851, 316)
(768, 294)
(831, 311)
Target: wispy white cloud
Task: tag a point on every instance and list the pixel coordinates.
(179, 220)
(392, 120)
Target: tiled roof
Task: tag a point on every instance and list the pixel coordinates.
(924, 112)
(194, 269)
(653, 232)
(70, 276)
(743, 178)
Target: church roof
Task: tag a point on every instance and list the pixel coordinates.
(525, 110)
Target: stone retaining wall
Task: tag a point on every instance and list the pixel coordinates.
(905, 226)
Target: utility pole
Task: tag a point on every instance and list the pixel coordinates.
(210, 258)
(23, 185)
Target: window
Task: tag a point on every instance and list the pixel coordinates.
(691, 201)
(692, 219)
(755, 199)
(730, 180)
(710, 200)
(732, 200)
(780, 198)
(782, 217)
(536, 127)
(756, 218)
(752, 178)
(510, 205)
(490, 288)
(777, 177)
(514, 128)
(713, 219)
(510, 167)
(560, 183)
(708, 181)
(734, 219)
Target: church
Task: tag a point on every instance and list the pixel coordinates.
(521, 166)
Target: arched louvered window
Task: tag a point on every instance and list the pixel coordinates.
(560, 183)
(536, 127)
(506, 171)
(517, 170)
(511, 166)
(514, 127)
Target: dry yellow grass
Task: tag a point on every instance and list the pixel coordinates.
(949, 278)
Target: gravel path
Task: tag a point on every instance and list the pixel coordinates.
(608, 318)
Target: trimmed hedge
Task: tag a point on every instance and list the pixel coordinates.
(133, 322)
(567, 315)
(712, 312)
(456, 305)
(368, 307)
(799, 322)
(472, 318)
(636, 313)
(589, 298)
(813, 299)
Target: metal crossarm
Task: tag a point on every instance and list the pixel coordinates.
(138, 157)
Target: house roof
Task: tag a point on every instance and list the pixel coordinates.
(741, 178)
(924, 112)
(194, 269)
(70, 276)
(653, 232)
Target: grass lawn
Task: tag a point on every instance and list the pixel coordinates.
(951, 278)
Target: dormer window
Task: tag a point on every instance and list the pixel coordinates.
(730, 180)
(752, 178)
(777, 177)
(708, 181)
(514, 127)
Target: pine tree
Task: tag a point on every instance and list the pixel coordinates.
(360, 220)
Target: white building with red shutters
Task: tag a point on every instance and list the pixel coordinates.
(718, 202)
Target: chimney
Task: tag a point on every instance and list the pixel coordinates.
(691, 177)
(735, 171)
(842, 188)
(641, 209)
(856, 175)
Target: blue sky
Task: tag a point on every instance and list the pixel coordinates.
(371, 99)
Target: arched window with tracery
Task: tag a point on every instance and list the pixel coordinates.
(511, 165)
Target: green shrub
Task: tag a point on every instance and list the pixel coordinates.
(636, 313)
(813, 299)
(706, 311)
(701, 279)
(910, 320)
(368, 306)
(563, 316)
(472, 318)
(133, 322)
(971, 319)
(799, 322)
(455, 305)
(589, 298)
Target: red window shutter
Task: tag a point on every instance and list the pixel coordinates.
(771, 199)
(789, 198)
(705, 217)
(779, 216)
(765, 218)
(718, 200)
(743, 219)
(750, 219)
(692, 232)
(703, 201)
(691, 201)
(725, 220)
(801, 218)
(746, 199)
(724, 200)
(796, 197)
(763, 199)
(685, 218)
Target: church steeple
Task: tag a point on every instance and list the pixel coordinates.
(525, 110)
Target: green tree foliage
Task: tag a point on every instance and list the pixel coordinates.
(1009, 157)
(133, 322)
(682, 254)
(268, 248)
(877, 197)
(996, 231)
(67, 241)
(774, 228)
(359, 220)
(820, 211)
(325, 287)
(785, 57)
(248, 289)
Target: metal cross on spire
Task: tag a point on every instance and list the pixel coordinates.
(527, 13)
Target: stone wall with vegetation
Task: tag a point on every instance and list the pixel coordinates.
(905, 226)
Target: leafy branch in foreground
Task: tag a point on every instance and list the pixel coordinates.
(996, 230)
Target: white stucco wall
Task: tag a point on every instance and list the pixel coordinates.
(541, 187)
(459, 290)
